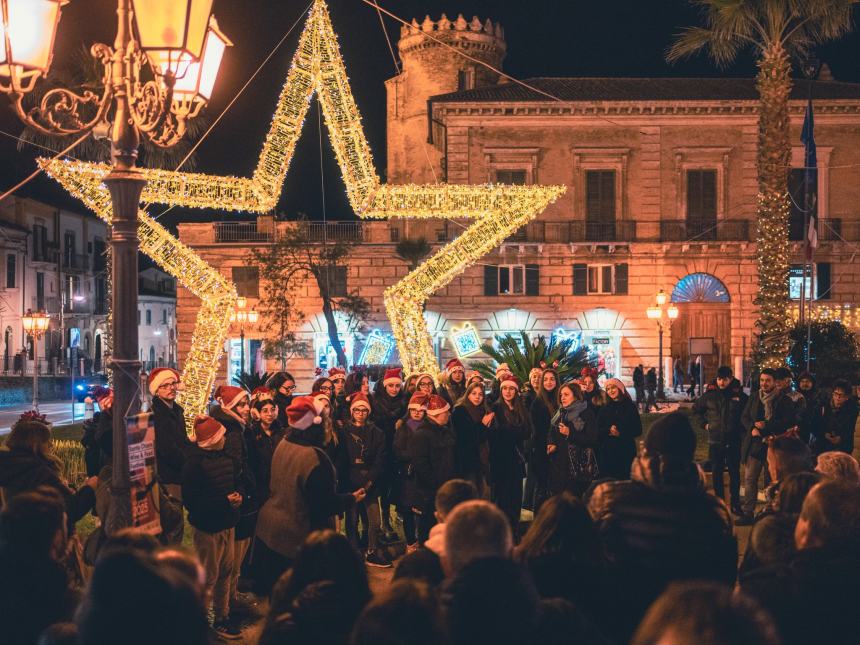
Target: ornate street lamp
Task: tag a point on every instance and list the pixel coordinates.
(657, 313)
(242, 316)
(158, 44)
(35, 326)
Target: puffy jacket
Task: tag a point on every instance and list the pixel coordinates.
(171, 442)
(721, 411)
(208, 477)
(366, 455)
(432, 456)
(782, 419)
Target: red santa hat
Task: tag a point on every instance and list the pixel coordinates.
(453, 365)
(336, 373)
(262, 394)
(501, 370)
(159, 376)
(302, 413)
(418, 401)
(230, 395)
(474, 375)
(588, 371)
(321, 401)
(437, 405)
(359, 399)
(510, 379)
(393, 375)
(207, 431)
(421, 375)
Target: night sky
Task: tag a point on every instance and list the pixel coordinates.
(545, 38)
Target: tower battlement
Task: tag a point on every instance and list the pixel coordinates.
(468, 34)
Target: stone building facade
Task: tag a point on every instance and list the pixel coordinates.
(661, 195)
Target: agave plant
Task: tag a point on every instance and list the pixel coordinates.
(250, 381)
(538, 353)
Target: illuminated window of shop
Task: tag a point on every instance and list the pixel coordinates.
(817, 281)
(511, 279)
(600, 278)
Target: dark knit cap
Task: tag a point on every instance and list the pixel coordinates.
(672, 436)
(724, 371)
(806, 375)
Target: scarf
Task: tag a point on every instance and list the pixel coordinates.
(475, 413)
(571, 415)
(767, 400)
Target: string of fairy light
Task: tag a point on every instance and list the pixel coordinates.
(317, 66)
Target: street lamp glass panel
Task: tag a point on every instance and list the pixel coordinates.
(199, 80)
(172, 31)
(253, 316)
(654, 313)
(661, 297)
(31, 26)
(241, 302)
(672, 312)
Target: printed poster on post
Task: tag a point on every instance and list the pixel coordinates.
(141, 465)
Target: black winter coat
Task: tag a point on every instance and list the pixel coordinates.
(261, 447)
(721, 410)
(432, 456)
(469, 435)
(406, 488)
(616, 453)
(507, 445)
(366, 456)
(171, 442)
(236, 447)
(536, 445)
(23, 472)
(208, 477)
(569, 447)
(836, 421)
(782, 419)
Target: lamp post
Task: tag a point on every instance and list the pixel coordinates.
(242, 315)
(657, 313)
(175, 44)
(35, 325)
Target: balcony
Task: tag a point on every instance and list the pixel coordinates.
(728, 230)
(76, 262)
(333, 231)
(48, 254)
(237, 232)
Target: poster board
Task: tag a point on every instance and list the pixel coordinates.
(142, 476)
(703, 346)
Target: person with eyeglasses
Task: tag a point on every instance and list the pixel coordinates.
(836, 428)
(172, 445)
(364, 445)
(284, 386)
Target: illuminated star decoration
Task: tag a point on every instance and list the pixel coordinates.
(499, 210)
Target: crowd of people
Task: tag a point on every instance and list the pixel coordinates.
(290, 498)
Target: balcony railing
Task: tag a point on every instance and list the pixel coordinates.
(728, 230)
(231, 232)
(316, 232)
(333, 231)
(48, 254)
(76, 262)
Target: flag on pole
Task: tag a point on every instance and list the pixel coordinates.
(810, 163)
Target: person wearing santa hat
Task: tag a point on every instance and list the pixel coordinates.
(171, 441)
(234, 412)
(507, 434)
(432, 459)
(212, 495)
(389, 406)
(502, 371)
(453, 382)
(304, 495)
(364, 445)
(405, 488)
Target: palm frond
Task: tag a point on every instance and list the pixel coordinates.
(531, 354)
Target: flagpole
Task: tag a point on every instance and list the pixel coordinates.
(810, 202)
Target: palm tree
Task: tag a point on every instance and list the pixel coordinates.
(774, 30)
(522, 355)
(413, 251)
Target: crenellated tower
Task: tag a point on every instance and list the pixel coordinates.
(429, 68)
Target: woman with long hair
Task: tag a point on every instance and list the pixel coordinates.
(561, 550)
(542, 410)
(30, 462)
(619, 424)
(508, 432)
(572, 443)
(591, 392)
(405, 488)
(470, 420)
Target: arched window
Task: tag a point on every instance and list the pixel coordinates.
(700, 287)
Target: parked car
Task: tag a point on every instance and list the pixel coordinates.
(84, 387)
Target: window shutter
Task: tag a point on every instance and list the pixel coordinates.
(621, 279)
(532, 280)
(822, 292)
(607, 195)
(491, 280)
(580, 279)
(709, 194)
(694, 194)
